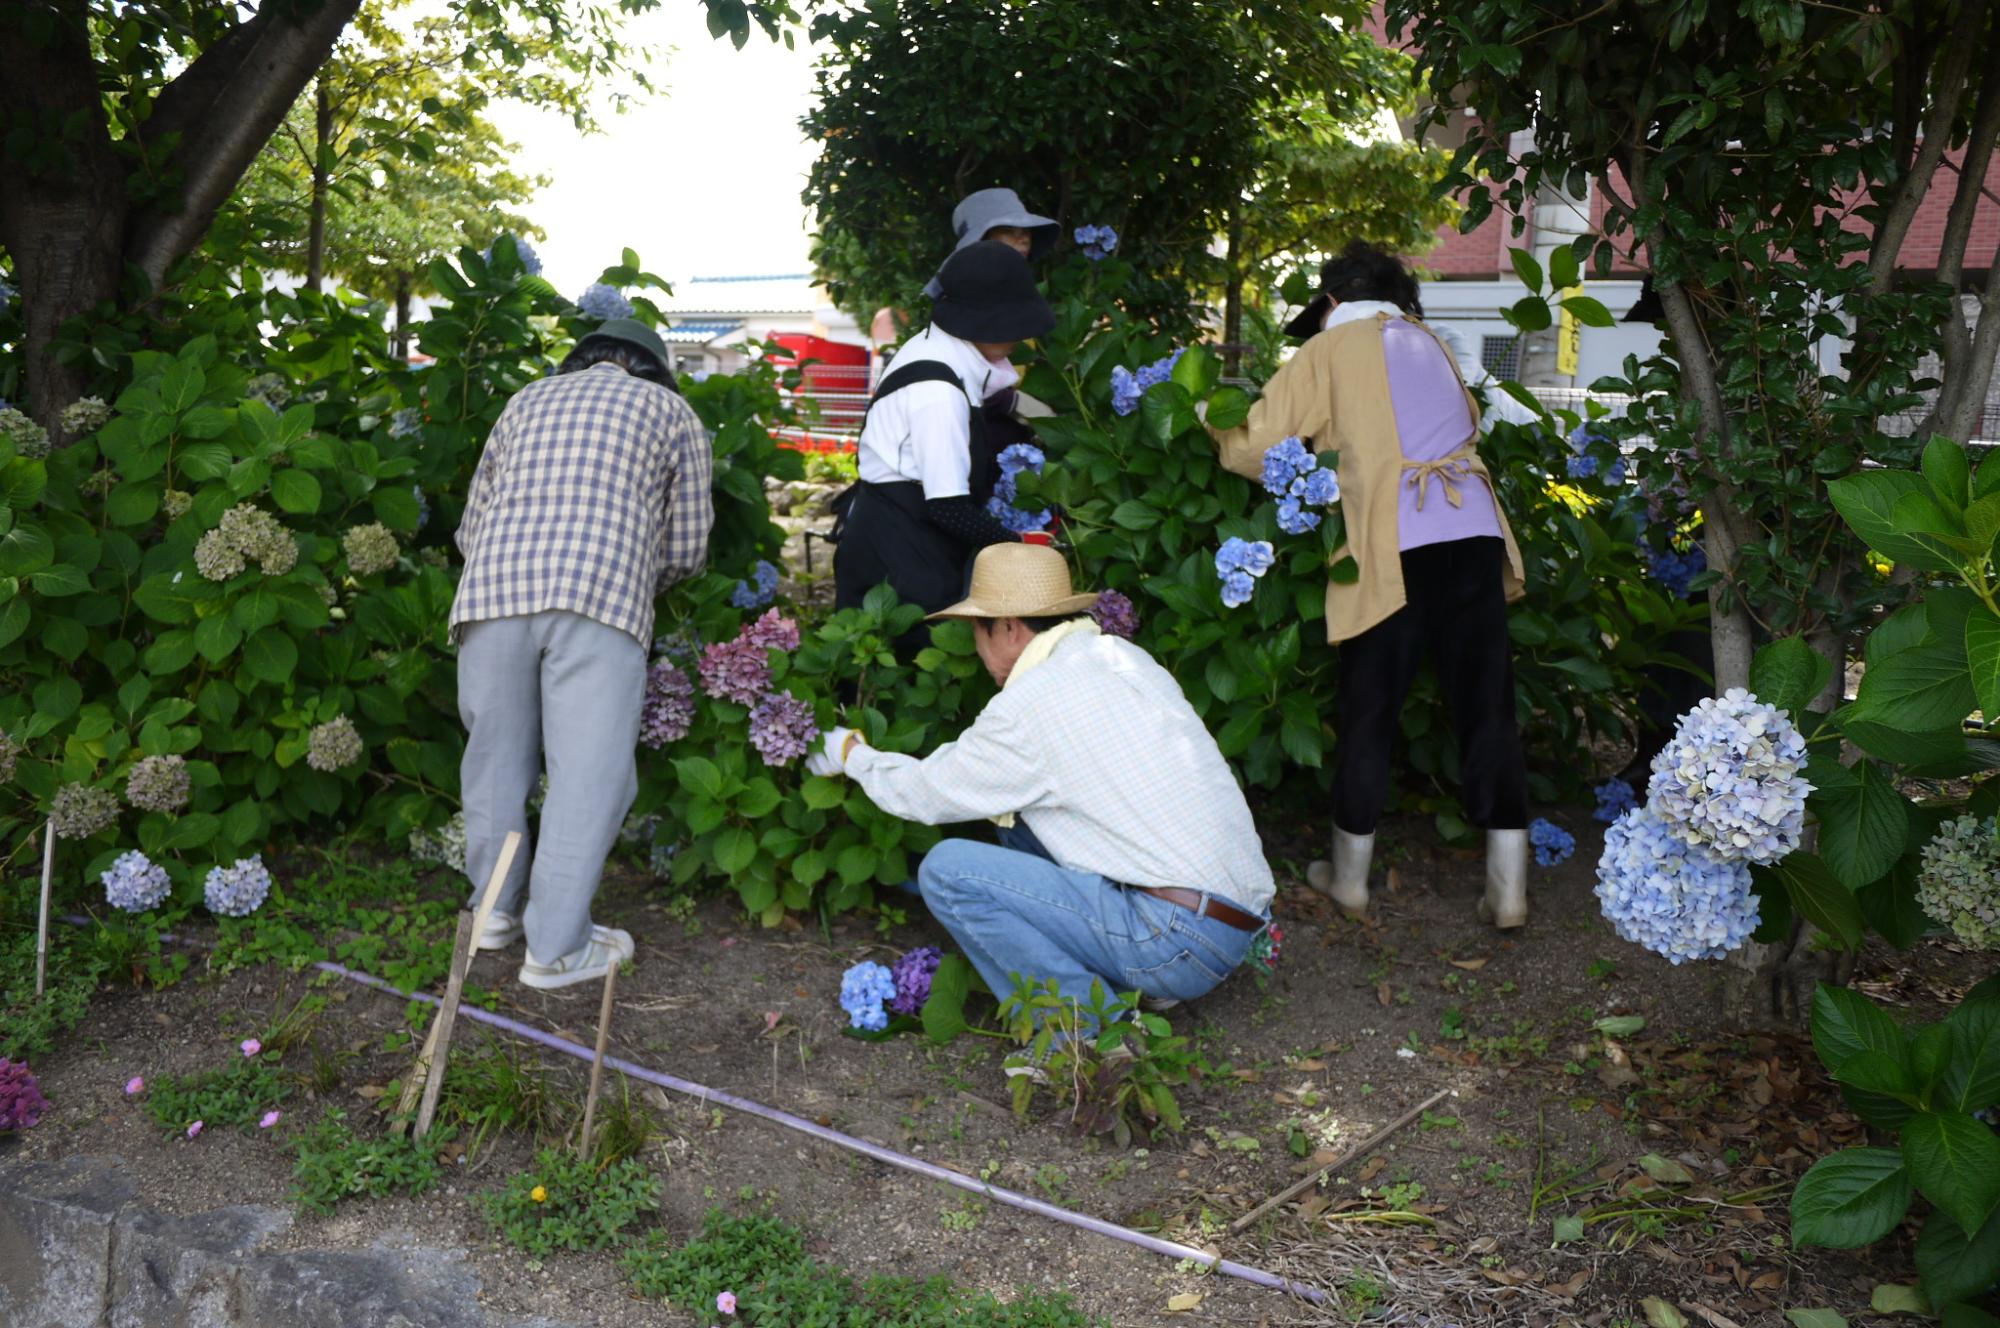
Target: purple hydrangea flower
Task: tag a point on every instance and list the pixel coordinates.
(782, 728)
(21, 1102)
(668, 711)
(603, 302)
(135, 883)
(1115, 615)
(1553, 845)
(739, 671)
(863, 989)
(773, 631)
(912, 974)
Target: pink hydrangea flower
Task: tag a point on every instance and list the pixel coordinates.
(135, 1084)
(270, 1119)
(773, 631)
(251, 1046)
(194, 1129)
(726, 1302)
(739, 671)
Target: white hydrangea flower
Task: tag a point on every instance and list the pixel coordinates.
(1729, 780)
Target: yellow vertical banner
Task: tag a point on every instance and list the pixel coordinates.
(1569, 335)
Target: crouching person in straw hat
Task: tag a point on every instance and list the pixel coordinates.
(1131, 858)
(592, 493)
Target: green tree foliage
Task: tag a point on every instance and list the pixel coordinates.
(1157, 120)
(1770, 160)
(125, 128)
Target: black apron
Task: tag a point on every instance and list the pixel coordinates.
(880, 530)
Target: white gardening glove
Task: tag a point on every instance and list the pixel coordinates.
(830, 758)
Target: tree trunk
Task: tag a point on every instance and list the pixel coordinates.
(400, 344)
(1232, 299)
(322, 150)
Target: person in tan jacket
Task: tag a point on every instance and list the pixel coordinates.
(1437, 562)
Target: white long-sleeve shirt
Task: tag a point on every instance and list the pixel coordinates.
(1100, 753)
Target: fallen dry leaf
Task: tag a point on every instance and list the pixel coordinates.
(1660, 1314)
(370, 1091)
(1394, 880)
(1383, 993)
(1372, 1170)
(1568, 1290)
(1309, 1066)
(1185, 1301)
(1709, 1315)
(1767, 1281)
(1469, 965)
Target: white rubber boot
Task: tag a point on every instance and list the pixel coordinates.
(1505, 903)
(1345, 879)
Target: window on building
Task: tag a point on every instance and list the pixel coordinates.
(1501, 356)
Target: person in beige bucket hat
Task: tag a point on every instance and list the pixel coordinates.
(1127, 854)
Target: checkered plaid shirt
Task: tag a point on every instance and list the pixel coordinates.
(591, 496)
(1099, 752)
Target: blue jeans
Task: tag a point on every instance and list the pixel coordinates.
(1013, 910)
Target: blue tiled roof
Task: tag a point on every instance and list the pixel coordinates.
(697, 332)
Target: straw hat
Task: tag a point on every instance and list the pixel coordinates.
(1019, 581)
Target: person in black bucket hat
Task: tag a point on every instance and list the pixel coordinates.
(927, 468)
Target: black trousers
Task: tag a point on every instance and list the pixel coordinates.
(1457, 614)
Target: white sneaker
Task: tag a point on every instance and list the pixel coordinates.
(606, 950)
(501, 931)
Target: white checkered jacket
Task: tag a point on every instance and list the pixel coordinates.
(591, 496)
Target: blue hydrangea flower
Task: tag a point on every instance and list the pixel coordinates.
(1729, 780)
(1295, 520)
(1674, 570)
(1013, 460)
(423, 506)
(1675, 898)
(135, 883)
(1320, 488)
(6, 301)
(1160, 370)
(864, 989)
(1125, 391)
(1258, 557)
(1582, 466)
(760, 590)
(1229, 558)
(1097, 242)
(405, 422)
(1553, 844)
(603, 302)
(238, 890)
(1284, 463)
(1616, 475)
(1237, 588)
(1614, 798)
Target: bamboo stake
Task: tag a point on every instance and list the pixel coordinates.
(1354, 1154)
(470, 927)
(597, 1063)
(42, 931)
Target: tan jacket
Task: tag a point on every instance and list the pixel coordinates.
(1335, 394)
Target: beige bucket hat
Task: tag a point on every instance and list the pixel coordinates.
(1019, 581)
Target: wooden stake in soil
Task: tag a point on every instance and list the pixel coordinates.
(42, 932)
(1367, 1146)
(427, 1075)
(597, 1064)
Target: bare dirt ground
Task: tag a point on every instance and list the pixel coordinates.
(1674, 1143)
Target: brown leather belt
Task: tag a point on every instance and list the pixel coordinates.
(1191, 900)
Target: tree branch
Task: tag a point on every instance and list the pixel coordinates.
(1953, 72)
(1956, 337)
(226, 106)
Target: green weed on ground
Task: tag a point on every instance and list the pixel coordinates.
(332, 1162)
(563, 1203)
(762, 1263)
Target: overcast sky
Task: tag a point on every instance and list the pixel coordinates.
(702, 180)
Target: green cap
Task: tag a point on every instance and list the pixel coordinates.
(636, 333)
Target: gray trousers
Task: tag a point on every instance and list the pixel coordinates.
(568, 688)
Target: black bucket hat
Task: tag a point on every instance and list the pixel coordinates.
(633, 333)
(986, 292)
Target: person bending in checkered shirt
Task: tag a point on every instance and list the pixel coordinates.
(1128, 856)
(591, 496)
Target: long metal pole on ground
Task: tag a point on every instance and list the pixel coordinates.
(1013, 1199)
